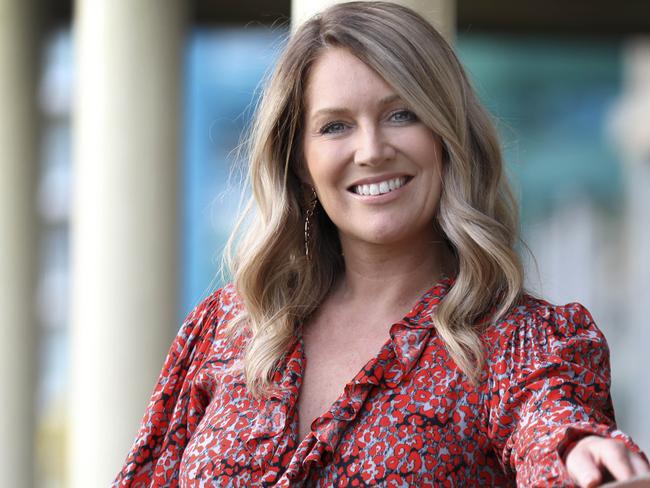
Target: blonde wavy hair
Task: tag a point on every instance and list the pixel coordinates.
(478, 215)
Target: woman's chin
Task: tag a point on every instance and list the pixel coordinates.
(382, 236)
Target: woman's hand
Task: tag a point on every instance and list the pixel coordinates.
(590, 456)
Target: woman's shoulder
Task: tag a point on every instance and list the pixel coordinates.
(221, 304)
(209, 320)
(533, 314)
(536, 316)
(537, 331)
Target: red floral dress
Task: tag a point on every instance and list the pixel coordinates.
(408, 418)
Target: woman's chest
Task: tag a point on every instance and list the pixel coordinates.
(420, 432)
(331, 361)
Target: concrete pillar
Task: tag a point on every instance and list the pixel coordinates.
(441, 13)
(124, 252)
(18, 239)
(631, 129)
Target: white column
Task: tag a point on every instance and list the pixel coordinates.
(18, 235)
(631, 128)
(124, 224)
(441, 13)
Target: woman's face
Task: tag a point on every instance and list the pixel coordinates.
(375, 167)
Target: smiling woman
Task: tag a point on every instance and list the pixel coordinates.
(376, 168)
(376, 331)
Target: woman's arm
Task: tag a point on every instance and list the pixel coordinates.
(550, 394)
(175, 408)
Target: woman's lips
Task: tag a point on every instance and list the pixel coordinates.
(380, 186)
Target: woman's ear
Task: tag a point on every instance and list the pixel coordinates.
(302, 172)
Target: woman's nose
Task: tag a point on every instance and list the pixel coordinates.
(373, 148)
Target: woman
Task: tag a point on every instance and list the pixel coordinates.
(378, 184)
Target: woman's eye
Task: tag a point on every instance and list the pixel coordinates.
(332, 128)
(403, 116)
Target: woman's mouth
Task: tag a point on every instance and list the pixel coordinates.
(380, 187)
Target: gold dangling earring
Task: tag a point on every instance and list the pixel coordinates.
(309, 215)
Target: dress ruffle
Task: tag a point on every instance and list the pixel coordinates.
(396, 359)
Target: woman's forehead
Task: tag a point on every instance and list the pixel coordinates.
(339, 77)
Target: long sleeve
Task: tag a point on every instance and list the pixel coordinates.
(549, 387)
(175, 407)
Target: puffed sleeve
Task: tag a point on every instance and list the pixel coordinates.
(175, 406)
(549, 387)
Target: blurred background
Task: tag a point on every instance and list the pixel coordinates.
(118, 121)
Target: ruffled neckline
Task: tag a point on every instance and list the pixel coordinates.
(394, 361)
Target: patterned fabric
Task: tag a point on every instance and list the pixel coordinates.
(408, 418)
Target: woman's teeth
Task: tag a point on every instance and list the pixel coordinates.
(381, 187)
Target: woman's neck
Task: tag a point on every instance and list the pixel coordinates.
(393, 275)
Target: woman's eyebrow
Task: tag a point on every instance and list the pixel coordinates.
(387, 100)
